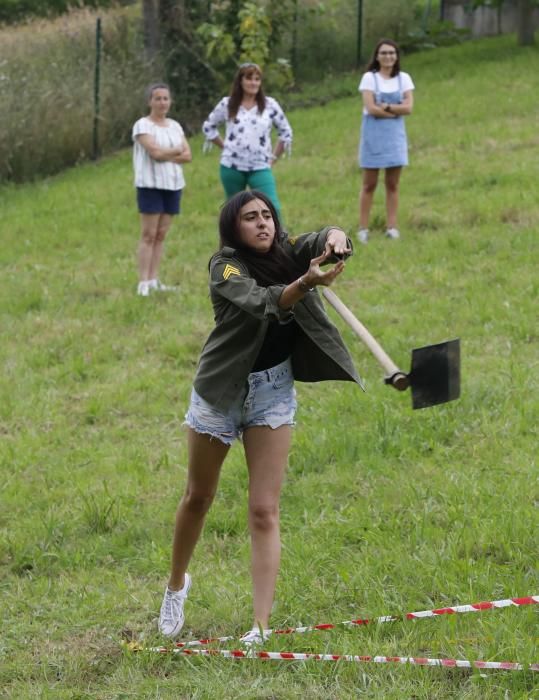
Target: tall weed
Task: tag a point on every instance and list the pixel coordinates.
(47, 73)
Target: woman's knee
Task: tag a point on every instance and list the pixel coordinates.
(197, 503)
(392, 179)
(263, 518)
(368, 187)
(149, 234)
(161, 233)
(392, 186)
(369, 183)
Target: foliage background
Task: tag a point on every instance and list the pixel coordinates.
(47, 68)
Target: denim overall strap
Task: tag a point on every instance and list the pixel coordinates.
(396, 97)
(377, 91)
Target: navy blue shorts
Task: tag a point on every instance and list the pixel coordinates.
(152, 201)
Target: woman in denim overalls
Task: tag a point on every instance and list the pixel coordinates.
(387, 97)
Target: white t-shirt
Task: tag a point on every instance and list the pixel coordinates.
(159, 175)
(385, 84)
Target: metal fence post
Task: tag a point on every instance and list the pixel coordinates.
(95, 153)
(359, 31)
(295, 39)
(426, 16)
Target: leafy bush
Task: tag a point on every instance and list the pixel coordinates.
(326, 36)
(326, 40)
(388, 18)
(438, 34)
(233, 35)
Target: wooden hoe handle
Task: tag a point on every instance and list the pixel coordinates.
(394, 376)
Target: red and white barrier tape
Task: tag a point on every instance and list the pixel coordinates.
(435, 612)
(291, 656)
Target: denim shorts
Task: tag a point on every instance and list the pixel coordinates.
(153, 201)
(269, 399)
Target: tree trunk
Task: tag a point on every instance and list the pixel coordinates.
(184, 68)
(152, 35)
(525, 29)
(172, 15)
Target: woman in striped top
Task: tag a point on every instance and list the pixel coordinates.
(160, 148)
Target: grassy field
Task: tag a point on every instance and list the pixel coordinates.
(385, 510)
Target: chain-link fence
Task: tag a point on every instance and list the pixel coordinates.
(47, 90)
(65, 96)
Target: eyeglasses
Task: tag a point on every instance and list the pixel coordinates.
(249, 65)
(387, 53)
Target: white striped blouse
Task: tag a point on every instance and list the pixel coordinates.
(152, 173)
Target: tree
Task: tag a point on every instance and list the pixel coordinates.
(525, 29)
(247, 30)
(192, 79)
(150, 16)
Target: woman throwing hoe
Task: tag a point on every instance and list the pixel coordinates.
(160, 148)
(270, 328)
(247, 158)
(387, 98)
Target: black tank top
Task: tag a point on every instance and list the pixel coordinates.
(277, 346)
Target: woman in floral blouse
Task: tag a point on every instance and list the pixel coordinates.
(247, 154)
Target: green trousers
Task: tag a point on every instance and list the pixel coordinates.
(235, 181)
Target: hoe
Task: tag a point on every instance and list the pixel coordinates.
(435, 374)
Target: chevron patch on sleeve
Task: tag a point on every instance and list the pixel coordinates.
(229, 271)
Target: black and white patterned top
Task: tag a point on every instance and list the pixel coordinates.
(247, 143)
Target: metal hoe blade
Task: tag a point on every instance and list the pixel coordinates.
(435, 374)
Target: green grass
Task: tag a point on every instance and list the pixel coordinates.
(385, 510)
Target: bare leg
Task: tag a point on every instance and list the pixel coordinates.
(392, 177)
(266, 451)
(163, 226)
(205, 459)
(370, 180)
(148, 224)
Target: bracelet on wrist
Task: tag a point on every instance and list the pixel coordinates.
(303, 285)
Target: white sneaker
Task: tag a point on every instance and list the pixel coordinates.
(158, 286)
(363, 235)
(143, 289)
(392, 233)
(255, 637)
(171, 617)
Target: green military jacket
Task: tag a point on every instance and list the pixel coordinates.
(243, 310)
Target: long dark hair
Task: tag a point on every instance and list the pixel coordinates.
(273, 267)
(374, 63)
(236, 91)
